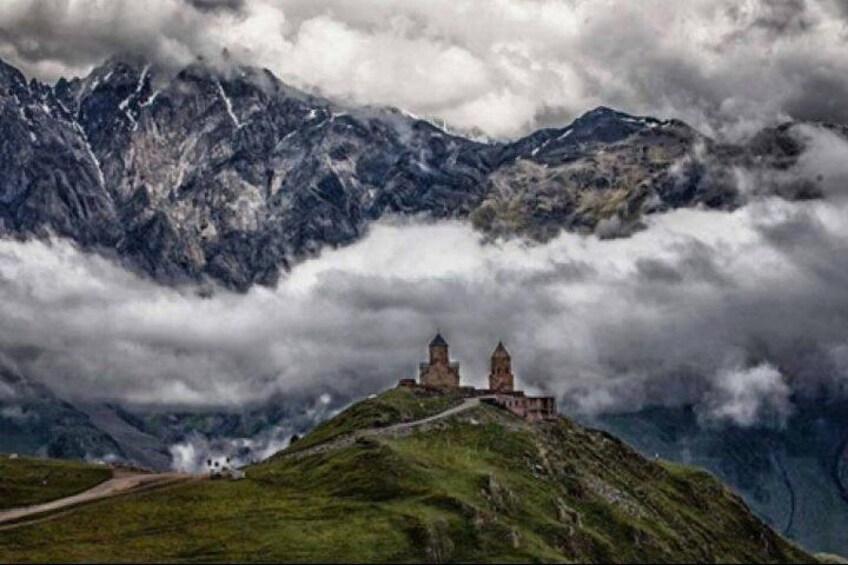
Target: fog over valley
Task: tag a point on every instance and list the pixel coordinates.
(734, 312)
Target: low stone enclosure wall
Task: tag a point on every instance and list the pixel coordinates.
(531, 408)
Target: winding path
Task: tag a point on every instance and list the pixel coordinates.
(125, 483)
(396, 429)
(120, 484)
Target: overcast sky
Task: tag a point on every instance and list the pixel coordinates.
(503, 66)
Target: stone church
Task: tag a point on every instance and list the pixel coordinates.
(440, 373)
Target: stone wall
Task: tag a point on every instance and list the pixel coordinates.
(532, 408)
(439, 375)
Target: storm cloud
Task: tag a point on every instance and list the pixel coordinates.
(738, 313)
(501, 66)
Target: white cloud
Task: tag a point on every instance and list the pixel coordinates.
(748, 396)
(606, 325)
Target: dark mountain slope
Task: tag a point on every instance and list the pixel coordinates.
(796, 478)
(33, 420)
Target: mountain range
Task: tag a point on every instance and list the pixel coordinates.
(230, 176)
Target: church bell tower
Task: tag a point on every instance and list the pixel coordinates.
(439, 351)
(501, 379)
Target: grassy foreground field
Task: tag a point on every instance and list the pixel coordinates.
(30, 480)
(481, 485)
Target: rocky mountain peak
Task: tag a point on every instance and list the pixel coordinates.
(606, 125)
(11, 78)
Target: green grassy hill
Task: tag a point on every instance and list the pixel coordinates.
(30, 480)
(480, 485)
(393, 406)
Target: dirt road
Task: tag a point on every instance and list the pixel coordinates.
(123, 482)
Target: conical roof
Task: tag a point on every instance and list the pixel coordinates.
(500, 351)
(438, 340)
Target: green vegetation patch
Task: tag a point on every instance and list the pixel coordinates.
(391, 407)
(28, 480)
(479, 486)
(214, 521)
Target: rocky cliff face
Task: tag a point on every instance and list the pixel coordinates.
(231, 176)
(50, 176)
(603, 172)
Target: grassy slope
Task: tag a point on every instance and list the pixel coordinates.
(391, 407)
(483, 486)
(29, 480)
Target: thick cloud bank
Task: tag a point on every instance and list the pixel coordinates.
(738, 313)
(505, 66)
